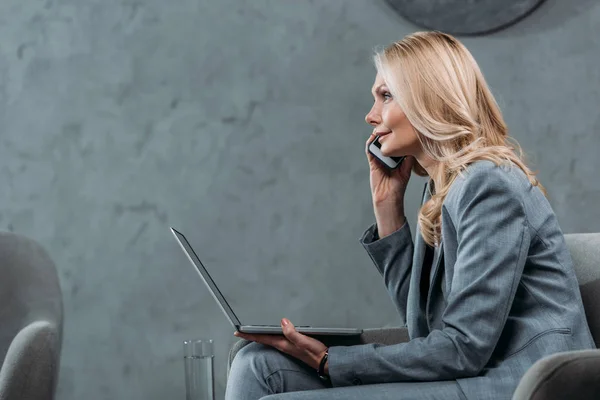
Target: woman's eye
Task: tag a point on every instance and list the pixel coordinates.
(386, 95)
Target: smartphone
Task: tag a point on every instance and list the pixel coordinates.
(390, 162)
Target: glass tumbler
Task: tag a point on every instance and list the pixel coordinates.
(199, 379)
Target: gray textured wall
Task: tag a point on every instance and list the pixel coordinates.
(120, 118)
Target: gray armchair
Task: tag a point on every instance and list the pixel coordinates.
(559, 376)
(31, 312)
(572, 374)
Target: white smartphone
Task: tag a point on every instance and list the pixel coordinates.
(390, 162)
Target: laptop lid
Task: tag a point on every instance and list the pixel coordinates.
(212, 287)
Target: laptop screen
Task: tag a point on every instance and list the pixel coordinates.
(206, 277)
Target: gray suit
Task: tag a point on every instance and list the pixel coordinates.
(502, 294)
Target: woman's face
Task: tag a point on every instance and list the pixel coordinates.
(397, 135)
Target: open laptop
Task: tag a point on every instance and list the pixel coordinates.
(267, 329)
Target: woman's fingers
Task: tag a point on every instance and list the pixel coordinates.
(297, 345)
(294, 336)
(369, 140)
(309, 347)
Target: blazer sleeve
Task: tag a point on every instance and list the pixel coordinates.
(489, 218)
(392, 256)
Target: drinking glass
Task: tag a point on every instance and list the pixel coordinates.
(199, 370)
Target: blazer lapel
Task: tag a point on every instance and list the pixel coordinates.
(414, 291)
(435, 268)
(417, 326)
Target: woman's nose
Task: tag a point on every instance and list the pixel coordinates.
(372, 118)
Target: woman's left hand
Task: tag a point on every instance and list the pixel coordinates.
(304, 348)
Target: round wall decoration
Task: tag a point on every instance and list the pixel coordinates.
(464, 17)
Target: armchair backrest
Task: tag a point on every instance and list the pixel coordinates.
(31, 319)
(585, 252)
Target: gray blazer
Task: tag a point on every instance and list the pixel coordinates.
(502, 294)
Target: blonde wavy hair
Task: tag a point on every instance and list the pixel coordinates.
(439, 86)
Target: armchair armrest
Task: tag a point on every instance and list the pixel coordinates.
(569, 374)
(31, 365)
(385, 336)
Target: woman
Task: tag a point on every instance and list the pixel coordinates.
(487, 288)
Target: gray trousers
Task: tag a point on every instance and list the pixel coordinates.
(262, 372)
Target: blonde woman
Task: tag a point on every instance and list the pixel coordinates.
(488, 286)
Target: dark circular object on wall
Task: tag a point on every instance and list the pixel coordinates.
(464, 17)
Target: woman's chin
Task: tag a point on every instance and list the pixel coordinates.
(383, 149)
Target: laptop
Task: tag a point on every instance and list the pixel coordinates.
(266, 329)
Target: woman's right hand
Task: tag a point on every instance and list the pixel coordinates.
(388, 185)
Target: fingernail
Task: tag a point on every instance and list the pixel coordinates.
(235, 334)
(284, 322)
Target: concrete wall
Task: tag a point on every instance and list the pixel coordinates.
(121, 118)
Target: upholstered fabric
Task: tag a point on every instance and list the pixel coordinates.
(566, 375)
(585, 252)
(31, 364)
(31, 313)
(590, 295)
(385, 336)
(572, 374)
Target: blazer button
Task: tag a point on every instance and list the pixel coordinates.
(356, 381)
